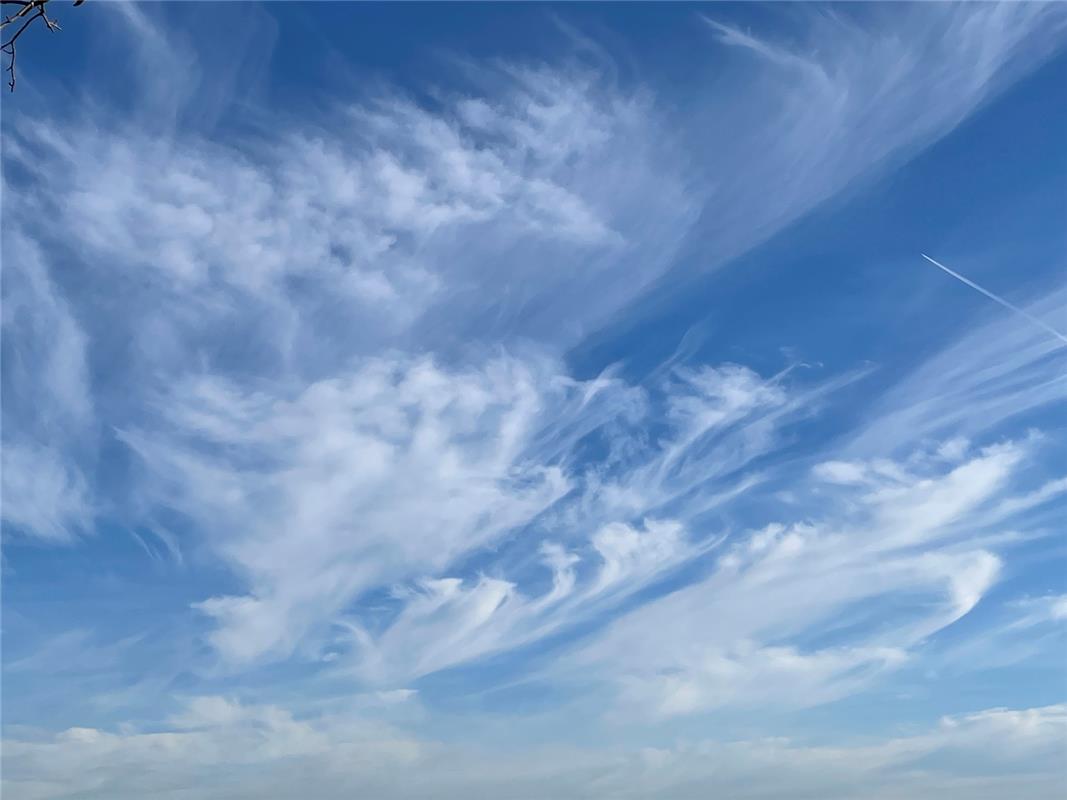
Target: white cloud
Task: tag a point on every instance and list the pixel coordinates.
(824, 605)
(217, 748)
(316, 340)
(745, 675)
(221, 737)
(354, 482)
(995, 372)
(47, 409)
(1027, 630)
(43, 495)
(846, 472)
(445, 622)
(807, 119)
(43, 341)
(515, 206)
(1033, 612)
(382, 214)
(393, 472)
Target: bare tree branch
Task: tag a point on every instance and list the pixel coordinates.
(29, 12)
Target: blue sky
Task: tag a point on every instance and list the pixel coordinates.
(535, 401)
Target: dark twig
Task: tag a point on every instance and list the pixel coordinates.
(9, 47)
(27, 6)
(11, 67)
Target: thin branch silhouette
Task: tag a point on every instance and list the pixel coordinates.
(29, 12)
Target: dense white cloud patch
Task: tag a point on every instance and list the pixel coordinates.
(388, 226)
(470, 217)
(354, 482)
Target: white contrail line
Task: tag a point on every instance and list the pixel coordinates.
(1040, 323)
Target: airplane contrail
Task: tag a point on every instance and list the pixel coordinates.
(1040, 323)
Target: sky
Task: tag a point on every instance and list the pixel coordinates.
(536, 401)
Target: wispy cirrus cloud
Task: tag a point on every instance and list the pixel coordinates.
(808, 120)
(905, 553)
(994, 373)
(448, 622)
(402, 468)
(348, 485)
(47, 402)
(387, 223)
(334, 348)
